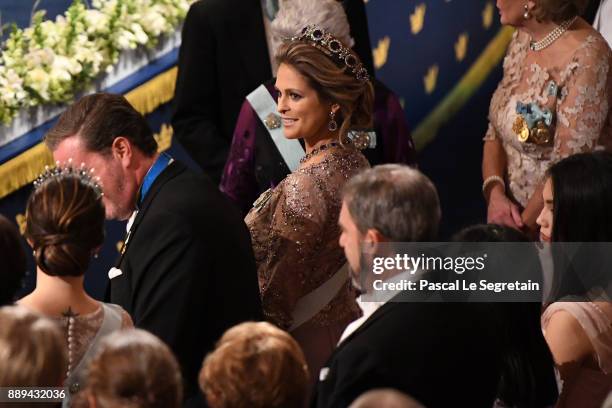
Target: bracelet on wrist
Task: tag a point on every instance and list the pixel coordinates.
(493, 179)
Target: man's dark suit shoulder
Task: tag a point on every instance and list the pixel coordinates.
(191, 202)
(221, 10)
(436, 352)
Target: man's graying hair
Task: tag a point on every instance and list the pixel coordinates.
(328, 14)
(398, 201)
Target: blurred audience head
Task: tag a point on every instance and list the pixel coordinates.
(13, 261)
(526, 357)
(558, 11)
(294, 15)
(106, 133)
(490, 233)
(133, 369)
(32, 350)
(318, 88)
(577, 199)
(255, 365)
(385, 398)
(65, 223)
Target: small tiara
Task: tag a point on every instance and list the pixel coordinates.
(62, 171)
(342, 54)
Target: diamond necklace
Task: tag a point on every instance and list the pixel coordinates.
(552, 36)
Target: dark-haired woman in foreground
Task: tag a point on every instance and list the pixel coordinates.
(527, 374)
(65, 227)
(577, 200)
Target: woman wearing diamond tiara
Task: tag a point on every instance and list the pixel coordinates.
(553, 101)
(65, 227)
(323, 91)
(254, 163)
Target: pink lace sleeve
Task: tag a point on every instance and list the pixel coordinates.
(584, 103)
(512, 72)
(490, 135)
(595, 318)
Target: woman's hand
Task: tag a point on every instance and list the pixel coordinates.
(503, 211)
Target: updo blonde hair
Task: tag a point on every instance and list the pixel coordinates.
(255, 365)
(332, 84)
(558, 11)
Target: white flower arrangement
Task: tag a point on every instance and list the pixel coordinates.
(51, 61)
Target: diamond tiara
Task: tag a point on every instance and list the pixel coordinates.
(317, 36)
(62, 171)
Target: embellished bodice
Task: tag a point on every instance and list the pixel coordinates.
(83, 330)
(294, 229)
(578, 94)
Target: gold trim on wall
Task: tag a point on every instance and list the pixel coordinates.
(24, 168)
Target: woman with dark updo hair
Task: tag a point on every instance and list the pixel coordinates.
(65, 228)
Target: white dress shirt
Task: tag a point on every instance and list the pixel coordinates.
(368, 308)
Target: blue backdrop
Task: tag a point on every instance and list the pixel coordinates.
(442, 58)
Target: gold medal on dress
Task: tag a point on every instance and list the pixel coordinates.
(521, 129)
(540, 134)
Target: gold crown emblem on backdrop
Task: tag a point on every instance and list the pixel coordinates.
(333, 47)
(461, 46)
(417, 19)
(431, 79)
(381, 52)
(487, 15)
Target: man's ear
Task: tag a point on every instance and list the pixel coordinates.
(371, 240)
(374, 236)
(122, 150)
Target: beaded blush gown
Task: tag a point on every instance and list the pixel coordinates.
(295, 232)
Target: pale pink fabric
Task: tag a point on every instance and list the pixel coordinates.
(587, 384)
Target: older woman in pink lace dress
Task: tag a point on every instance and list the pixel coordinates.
(553, 101)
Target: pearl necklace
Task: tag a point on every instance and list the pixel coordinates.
(318, 150)
(552, 36)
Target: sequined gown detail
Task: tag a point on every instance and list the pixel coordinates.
(295, 238)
